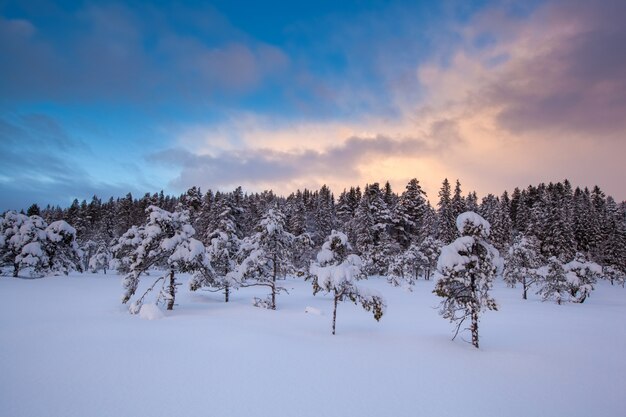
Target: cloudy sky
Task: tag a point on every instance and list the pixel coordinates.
(106, 98)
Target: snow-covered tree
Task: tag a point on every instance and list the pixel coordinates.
(614, 275)
(101, 260)
(61, 248)
(166, 240)
(408, 214)
(336, 271)
(554, 283)
(265, 256)
(522, 263)
(370, 225)
(467, 267)
(221, 252)
(405, 267)
(430, 248)
(581, 275)
(446, 231)
(21, 240)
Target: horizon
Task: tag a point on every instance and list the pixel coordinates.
(117, 97)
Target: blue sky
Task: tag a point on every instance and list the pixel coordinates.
(110, 97)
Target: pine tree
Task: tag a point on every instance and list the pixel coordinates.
(324, 213)
(522, 263)
(166, 240)
(221, 251)
(445, 215)
(371, 225)
(457, 202)
(581, 275)
(21, 239)
(409, 214)
(467, 267)
(62, 249)
(101, 259)
(336, 271)
(265, 257)
(431, 249)
(554, 283)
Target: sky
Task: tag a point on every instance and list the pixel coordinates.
(108, 98)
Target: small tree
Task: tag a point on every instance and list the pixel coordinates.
(522, 263)
(166, 240)
(467, 266)
(554, 282)
(21, 240)
(336, 271)
(581, 275)
(265, 257)
(404, 269)
(221, 252)
(61, 248)
(430, 248)
(101, 260)
(614, 275)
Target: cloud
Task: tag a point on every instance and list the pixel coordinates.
(559, 70)
(40, 162)
(520, 98)
(271, 167)
(138, 55)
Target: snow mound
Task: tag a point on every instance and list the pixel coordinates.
(151, 312)
(314, 311)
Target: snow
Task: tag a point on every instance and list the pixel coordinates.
(314, 311)
(474, 219)
(450, 257)
(70, 349)
(150, 312)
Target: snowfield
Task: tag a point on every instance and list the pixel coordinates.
(69, 348)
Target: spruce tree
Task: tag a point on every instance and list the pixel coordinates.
(336, 271)
(446, 229)
(467, 267)
(265, 257)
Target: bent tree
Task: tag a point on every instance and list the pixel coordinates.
(336, 271)
(165, 241)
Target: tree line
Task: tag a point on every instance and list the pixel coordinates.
(560, 237)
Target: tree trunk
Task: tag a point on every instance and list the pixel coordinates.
(16, 269)
(335, 312)
(226, 293)
(274, 284)
(474, 328)
(474, 312)
(171, 291)
(525, 288)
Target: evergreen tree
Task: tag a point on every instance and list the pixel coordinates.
(522, 263)
(221, 251)
(166, 240)
(445, 215)
(33, 210)
(21, 240)
(409, 214)
(554, 283)
(371, 226)
(581, 275)
(336, 271)
(265, 257)
(458, 202)
(61, 248)
(467, 267)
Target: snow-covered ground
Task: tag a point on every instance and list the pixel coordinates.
(69, 348)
